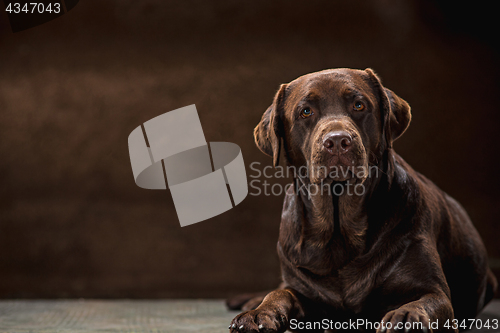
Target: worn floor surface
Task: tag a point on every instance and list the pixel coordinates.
(172, 316)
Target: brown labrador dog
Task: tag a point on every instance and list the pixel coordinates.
(395, 250)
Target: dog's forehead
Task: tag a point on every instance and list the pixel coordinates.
(339, 81)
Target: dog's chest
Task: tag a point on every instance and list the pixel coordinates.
(331, 275)
(321, 260)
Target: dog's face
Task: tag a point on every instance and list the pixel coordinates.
(335, 122)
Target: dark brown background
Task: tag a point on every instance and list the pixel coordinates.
(74, 224)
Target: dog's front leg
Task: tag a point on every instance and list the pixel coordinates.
(272, 315)
(427, 314)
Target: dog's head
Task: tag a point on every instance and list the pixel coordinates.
(336, 122)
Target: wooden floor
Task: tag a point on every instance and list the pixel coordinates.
(172, 316)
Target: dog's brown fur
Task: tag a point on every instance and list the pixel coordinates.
(403, 251)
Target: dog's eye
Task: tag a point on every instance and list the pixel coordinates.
(306, 112)
(358, 106)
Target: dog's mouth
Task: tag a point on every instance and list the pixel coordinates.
(341, 172)
(340, 169)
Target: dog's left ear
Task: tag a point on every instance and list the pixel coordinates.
(269, 131)
(395, 110)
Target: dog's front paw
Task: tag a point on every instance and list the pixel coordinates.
(404, 320)
(253, 303)
(259, 320)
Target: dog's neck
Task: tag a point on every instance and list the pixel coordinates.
(330, 217)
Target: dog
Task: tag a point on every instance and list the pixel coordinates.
(398, 251)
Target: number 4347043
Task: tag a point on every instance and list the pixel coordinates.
(33, 7)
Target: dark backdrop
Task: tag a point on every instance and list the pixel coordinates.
(74, 224)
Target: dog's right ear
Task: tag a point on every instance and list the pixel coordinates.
(269, 131)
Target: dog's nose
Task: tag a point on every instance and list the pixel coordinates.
(337, 142)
